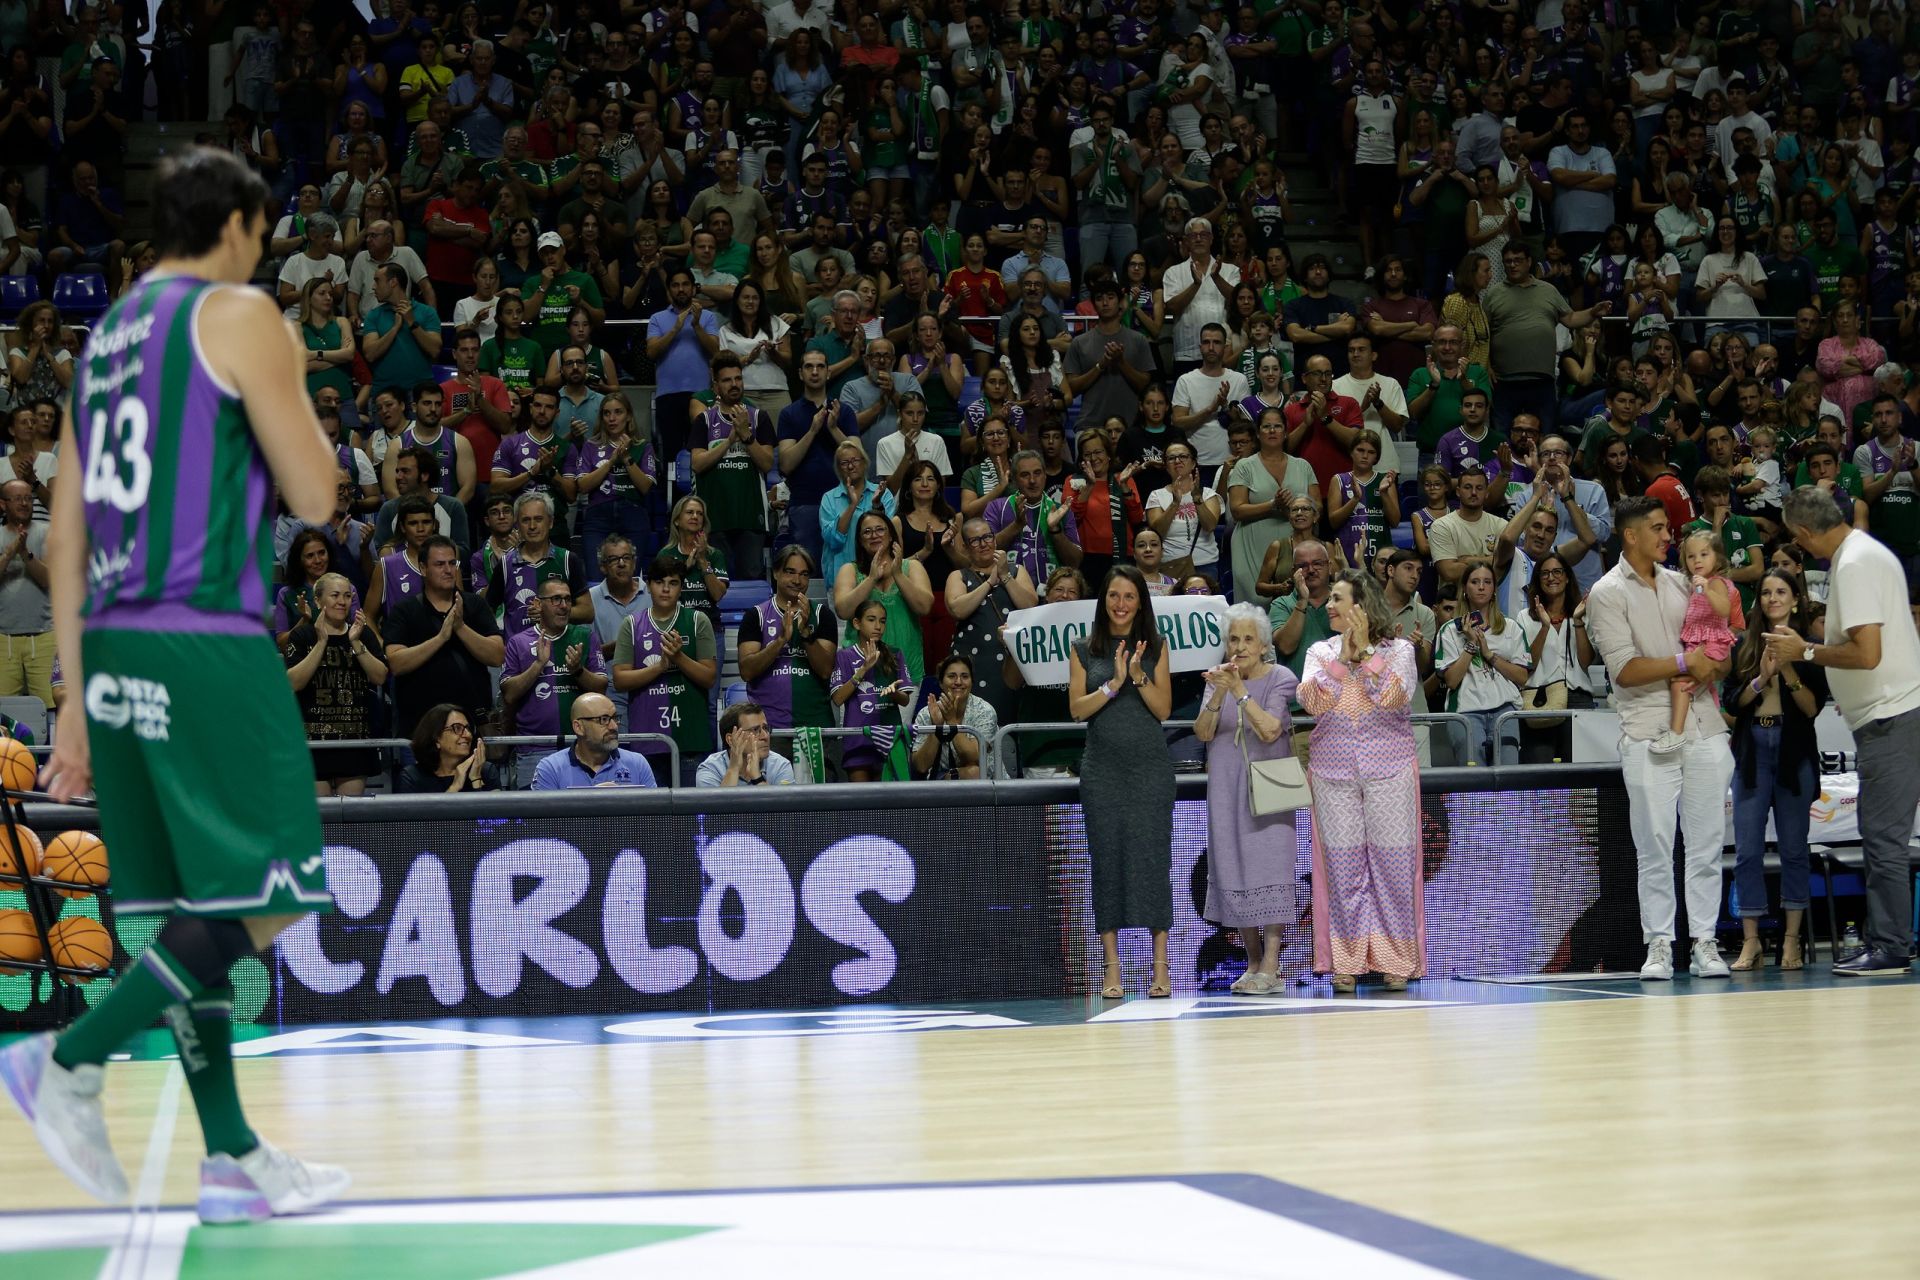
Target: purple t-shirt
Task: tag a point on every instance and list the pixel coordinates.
(589, 454)
(540, 712)
(401, 580)
(866, 706)
(1457, 448)
(517, 452)
(1030, 549)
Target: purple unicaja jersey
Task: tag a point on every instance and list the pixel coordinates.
(444, 450)
(400, 580)
(178, 498)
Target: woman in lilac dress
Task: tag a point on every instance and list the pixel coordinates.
(1250, 871)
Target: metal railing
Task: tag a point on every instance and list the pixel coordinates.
(1295, 725)
(842, 731)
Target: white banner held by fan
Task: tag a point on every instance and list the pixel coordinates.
(1040, 639)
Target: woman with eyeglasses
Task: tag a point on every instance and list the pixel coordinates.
(996, 401)
(842, 507)
(447, 756)
(1184, 514)
(980, 594)
(881, 571)
(1556, 631)
(1275, 577)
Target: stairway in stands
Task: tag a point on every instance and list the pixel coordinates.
(1320, 225)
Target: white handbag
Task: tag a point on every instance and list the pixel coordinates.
(1274, 786)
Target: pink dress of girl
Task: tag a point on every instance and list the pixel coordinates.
(1368, 909)
(1704, 628)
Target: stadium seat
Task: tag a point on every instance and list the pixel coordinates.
(81, 296)
(17, 293)
(445, 372)
(745, 594)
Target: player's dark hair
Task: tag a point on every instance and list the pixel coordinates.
(414, 505)
(1632, 511)
(426, 459)
(665, 566)
(197, 191)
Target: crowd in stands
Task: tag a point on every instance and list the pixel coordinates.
(792, 346)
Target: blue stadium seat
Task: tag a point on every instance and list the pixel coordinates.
(744, 594)
(444, 372)
(17, 293)
(969, 392)
(81, 295)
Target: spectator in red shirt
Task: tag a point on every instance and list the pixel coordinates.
(457, 230)
(477, 403)
(1321, 424)
(979, 297)
(1663, 482)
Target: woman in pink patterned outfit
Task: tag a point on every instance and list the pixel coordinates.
(1367, 911)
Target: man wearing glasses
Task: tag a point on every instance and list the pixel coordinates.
(596, 758)
(1581, 505)
(747, 758)
(549, 665)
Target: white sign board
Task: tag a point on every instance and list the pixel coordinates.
(1040, 639)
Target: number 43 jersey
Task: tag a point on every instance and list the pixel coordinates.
(179, 501)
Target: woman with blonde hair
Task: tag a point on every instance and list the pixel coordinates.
(39, 361)
(614, 471)
(1462, 309)
(1243, 719)
(1364, 767)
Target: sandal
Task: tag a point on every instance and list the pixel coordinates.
(1394, 984)
(1162, 986)
(1752, 956)
(1344, 983)
(1790, 954)
(1113, 988)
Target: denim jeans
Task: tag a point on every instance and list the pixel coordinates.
(601, 521)
(1109, 242)
(1480, 744)
(1790, 798)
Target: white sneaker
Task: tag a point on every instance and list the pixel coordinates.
(1659, 965)
(265, 1183)
(1667, 743)
(1707, 962)
(64, 1108)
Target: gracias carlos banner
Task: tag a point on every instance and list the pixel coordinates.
(1194, 628)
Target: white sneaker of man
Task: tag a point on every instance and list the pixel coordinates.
(64, 1109)
(265, 1183)
(1659, 965)
(1707, 961)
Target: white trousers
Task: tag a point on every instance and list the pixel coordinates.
(1690, 786)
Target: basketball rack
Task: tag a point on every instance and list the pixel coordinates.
(44, 905)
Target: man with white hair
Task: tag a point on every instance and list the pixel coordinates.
(1198, 290)
(316, 260)
(482, 101)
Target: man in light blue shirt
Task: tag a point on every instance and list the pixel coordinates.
(1583, 182)
(1554, 455)
(482, 102)
(1034, 254)
(596, 758)
(746, 758)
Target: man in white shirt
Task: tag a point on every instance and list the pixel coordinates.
(1740, 115)
(1872, 656)
(1202, 396)
(1634, 615)
(1382, 401)
(379, 252)
(1197, 290)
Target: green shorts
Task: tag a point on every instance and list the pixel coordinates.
(201, 767)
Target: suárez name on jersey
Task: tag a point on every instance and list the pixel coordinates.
(120, 337)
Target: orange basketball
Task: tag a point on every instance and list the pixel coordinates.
(29, 842)
(18, 938)
(81, 943)
(18, 769)
(78, 857)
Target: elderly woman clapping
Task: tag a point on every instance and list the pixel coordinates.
(1250, 873)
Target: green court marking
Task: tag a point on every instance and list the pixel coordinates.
(56, 1264)
(422, 1251)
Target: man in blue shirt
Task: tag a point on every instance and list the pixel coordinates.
(482, 101)
(596, 758)
(747, 758)
(680, 341)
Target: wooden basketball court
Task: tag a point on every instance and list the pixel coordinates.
(1757, 1127)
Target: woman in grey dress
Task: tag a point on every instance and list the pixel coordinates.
(1250, 875)
(1121, 688)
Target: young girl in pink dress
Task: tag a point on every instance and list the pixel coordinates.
(1713, 620)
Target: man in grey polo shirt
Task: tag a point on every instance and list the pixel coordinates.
(1634, 615)
(1873, 667)
(1521, 315)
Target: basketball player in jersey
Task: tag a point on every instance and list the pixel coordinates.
(189, 408)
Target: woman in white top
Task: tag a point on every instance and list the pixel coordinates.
(1184, 514)
(1483, 658)
(1651, 88)
(1186, 81)
(1731, 282)
(1556, 630)
(765, 346)
(480, 310)
(1491, 218)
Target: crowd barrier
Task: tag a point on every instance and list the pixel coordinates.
(536, 904)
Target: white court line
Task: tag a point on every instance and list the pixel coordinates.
(134, 1245)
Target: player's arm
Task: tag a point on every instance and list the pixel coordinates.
(69, 771)
(258, 357)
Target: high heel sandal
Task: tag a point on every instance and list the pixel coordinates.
(1791, 956)
(1162, 986)
(1113, 988)
(1749, 961)
(1345, 983)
